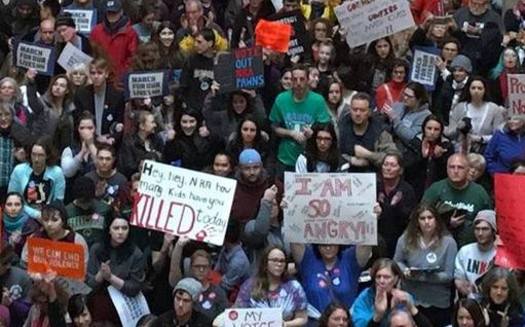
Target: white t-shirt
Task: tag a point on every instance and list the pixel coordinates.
(471, 263)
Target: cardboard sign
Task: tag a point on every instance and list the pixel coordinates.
(85, 19)
(71, 56)
(516, 96)
(30, 55)
(298, 39)
(423, 69)
(510, 192)
(242, 69)
(66, 259)
(129, 309)
(183, 202)
(367, 20)
(268, 317)
(140, 85)
(330, 208)
(273, 35)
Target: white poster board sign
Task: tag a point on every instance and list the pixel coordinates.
(367, 20)
(129, 309)
(183, 202)
(267, 317)
(423, 69)
(71, 56)
(85, 19)
(327, 208)
(516, 87)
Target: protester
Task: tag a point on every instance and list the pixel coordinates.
(335, 315)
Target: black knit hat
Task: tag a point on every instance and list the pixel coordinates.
(65, 19)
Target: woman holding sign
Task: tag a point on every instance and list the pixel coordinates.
(426, 253)
(271, 288)
(116, 262)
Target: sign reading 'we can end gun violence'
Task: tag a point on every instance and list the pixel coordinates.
(330, 208)
(65, 259)
(183, 202)
(368, 20)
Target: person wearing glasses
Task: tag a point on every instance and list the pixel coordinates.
(212, 300)
(321, 152)
(406, 117)
(271, 288)
(391, 91)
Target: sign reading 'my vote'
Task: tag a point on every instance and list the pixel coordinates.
(369, 20)
(183, 202)
(253, 317)
(330, 208)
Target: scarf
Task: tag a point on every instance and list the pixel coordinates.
(13, 224)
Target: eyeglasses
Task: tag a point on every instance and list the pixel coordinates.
(276, 260)
(200, 267)
(410, 96)
(399, 72)
(323, 139)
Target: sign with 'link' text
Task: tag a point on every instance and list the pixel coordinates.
(183, 202)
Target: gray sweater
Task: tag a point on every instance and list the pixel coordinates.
(431, 287)
(407, 124)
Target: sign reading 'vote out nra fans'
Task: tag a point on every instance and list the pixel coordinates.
(183, 202)
(368, 20)
(330, 208)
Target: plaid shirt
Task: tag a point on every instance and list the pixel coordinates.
(6, 159)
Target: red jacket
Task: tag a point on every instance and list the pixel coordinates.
(120, 47)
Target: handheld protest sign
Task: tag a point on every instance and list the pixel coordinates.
(253, 317)
(71, 56)
(85, 19)
(423, 67)
(516, 87)
(242, 69)
(39, 57)
(510, 191)
(299, 36)
(325, 208)
(129, 309)
(146, 84)
(367, 20)
(273, 35)
(183, 202)
(66, 259)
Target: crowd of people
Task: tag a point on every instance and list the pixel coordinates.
(72, 145)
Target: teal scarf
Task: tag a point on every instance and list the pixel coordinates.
(13, 224)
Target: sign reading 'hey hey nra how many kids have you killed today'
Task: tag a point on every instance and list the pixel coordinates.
(183, 202)
(330, 208)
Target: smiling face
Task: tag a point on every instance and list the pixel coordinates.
(439, 30)
(166, 37)
(286, 80)
(239, 103)
(325, 54)
(222, 165)
(188, 124)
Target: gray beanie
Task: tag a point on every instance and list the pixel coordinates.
(189, 285)
(463, 62)
(488, 216)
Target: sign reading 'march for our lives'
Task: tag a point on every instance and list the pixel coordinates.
(183, 202)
